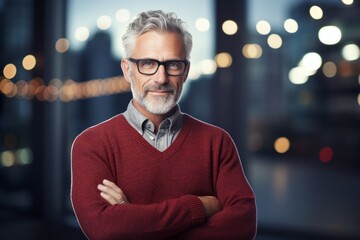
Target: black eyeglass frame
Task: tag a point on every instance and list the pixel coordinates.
(164, 63)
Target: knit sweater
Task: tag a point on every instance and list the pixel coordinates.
(161, 187)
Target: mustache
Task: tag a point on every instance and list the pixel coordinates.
(158, 87)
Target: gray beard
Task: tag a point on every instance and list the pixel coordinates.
(158, 104)
(155, 104)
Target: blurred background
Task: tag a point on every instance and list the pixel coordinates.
(282, 77)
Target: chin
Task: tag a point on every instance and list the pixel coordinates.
(159, 106)
(159, 109)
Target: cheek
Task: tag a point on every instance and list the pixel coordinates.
(143, 83)
(178, 84)
(138, 82)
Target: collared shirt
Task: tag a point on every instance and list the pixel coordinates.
(167, 132)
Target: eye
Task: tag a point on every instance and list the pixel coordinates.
(147, 63)
(175, 65)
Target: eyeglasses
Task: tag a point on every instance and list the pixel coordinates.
(150, 66)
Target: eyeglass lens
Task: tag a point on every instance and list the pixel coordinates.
(149, 66)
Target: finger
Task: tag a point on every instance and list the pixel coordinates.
(116, 190)
(112, 185)
(109, 191)
(108, 198)
(112, 200)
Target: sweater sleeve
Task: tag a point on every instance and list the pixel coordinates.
(100, 220)
(237, 219)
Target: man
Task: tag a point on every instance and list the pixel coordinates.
(154, 172)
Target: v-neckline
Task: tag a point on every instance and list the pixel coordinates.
(168, 152)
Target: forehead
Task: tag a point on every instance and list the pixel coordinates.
(159, 45)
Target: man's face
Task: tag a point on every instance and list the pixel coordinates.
(157, 93)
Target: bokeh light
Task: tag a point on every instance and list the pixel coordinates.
(311, 61)
(71, 91)
(9, 71)
(282, 145)
(291, 26)
(24, 156)
(223, 60)
(122, 15)
(326, 154)
(274, 41)
(316, 12)
(22, 88)
(62, 45)
(8, 158)
(29, 62)
(330, 35)
(351, 52)
(307, 66)
(208, 66)
(263, 27)
(229, 27)
(104, 22)
(298, 75)
(252, 50)
(329, 69)
(82, 34)
(202, 24)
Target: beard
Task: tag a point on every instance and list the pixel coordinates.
(155, 104)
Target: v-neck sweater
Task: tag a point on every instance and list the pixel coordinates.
(161, 187)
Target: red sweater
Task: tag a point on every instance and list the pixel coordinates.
(161, 187)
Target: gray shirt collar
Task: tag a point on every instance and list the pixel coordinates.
(140, 122)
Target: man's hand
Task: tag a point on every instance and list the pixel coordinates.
(112, 193)
(211, 205)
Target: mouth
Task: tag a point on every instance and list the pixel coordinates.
(160, 92)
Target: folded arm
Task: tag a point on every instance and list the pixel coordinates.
(237, 219)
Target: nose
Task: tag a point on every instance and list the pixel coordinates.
(161, 76)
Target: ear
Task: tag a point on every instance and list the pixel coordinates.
(126, 69)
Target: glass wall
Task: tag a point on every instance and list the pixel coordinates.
(304, 113)
(16, 61)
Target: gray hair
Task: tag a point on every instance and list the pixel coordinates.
(155, 21)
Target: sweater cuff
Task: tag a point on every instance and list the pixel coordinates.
(196, 208)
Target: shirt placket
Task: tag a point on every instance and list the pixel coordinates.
(162, 137)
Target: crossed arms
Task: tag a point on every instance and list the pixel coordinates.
(111, 193)
(105, 209)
